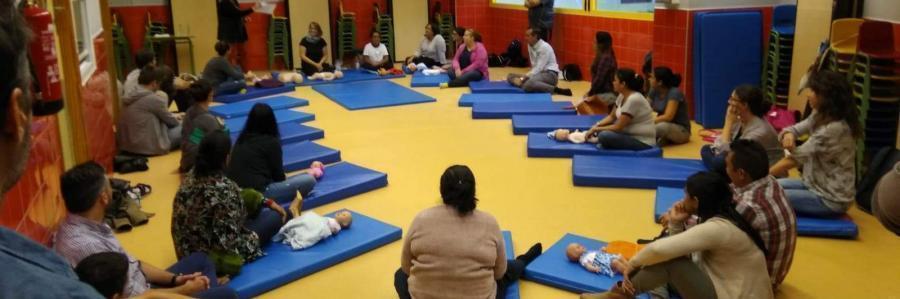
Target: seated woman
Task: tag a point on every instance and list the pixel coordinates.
(732, 263)
(208, 214)
(630, 124)
(375, 56)
(470, 63)
(440, 262)
(432, 51)
(222, 75)
(315, 55)
(197, 123)
(256, 161)
(600, 97)
(743, 120)
(456, 37)
(673, 125)
(828, 183)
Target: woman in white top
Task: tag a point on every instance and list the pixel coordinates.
(729, 253)
(376, 56)
(630, 124)
(432, 50)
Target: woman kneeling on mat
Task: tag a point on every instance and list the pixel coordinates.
(315, 55)
(828, 184)
(743, 120)
(257, 161)
(673, 125)
(376, 57)
(733, 263)
(629, 126)
(470, 63)
(432, 51)
(209, 214)
(225, 77)
(440, 262)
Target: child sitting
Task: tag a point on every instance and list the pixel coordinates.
(309, 228)
(596, 261)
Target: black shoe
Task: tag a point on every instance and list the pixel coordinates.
(532, 253)
(563, 91)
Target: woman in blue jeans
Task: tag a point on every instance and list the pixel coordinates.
(630, 124)
(256, 161)
(828, 158)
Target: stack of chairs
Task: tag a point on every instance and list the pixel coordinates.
(875, 77)
(777, 69)
(121, 49)
(346, 33)
(384, 24)
(279, 42)
(446, 24)
(843, 42)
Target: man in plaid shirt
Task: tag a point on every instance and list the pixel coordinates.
(762, 202)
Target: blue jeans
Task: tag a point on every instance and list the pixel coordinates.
(613, 140)
(806, 202)
(266, 224)
(285, 191)
(464, 79)
(714, 162)
(199, 262)
(230, 87)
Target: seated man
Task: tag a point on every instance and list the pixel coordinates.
(375, 56)
(171, 87)
(107, 272)
(544, 73)
(87, 193)
(225, 77)
(146, 127)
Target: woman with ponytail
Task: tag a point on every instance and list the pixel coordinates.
(673, 125)
(730, 262)
(455, 251)
(629, 125)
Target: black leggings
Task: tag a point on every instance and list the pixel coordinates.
(428, 61)
(514, 270)
(309, 69)
(387, 64)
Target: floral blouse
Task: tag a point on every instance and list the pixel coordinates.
(208, 215)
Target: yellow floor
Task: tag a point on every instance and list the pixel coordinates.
(534, 198)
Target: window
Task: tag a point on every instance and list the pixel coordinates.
(563, 4)
(82, 36)
(629, 6)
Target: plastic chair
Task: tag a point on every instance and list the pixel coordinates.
(279, 44)
(844, 35)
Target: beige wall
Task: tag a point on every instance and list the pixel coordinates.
(301, 13)
(410, 17)
(813, 26)
(185, 16)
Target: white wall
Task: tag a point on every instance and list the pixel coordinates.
(410, 18)
(884, 10)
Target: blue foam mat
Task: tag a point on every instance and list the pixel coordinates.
(539, 145)
(281, 116)
(723, 60)
(243, 108)
(253, 92)
(554, 269)
(371, 94)
(349, 76)
(297, 156)
(512, 291)
(806, 226)
(469, 99)
(342, 180)
(632, 172)
(291, 132)
(485, 86)
(282, 265)
(421, 80)
(488, 110)
(525, 124)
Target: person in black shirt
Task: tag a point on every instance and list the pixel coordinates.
(231, 27)
(314, 53)
(256, 161)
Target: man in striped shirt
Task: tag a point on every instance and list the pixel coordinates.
(762, 202)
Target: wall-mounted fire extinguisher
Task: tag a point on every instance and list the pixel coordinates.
(47, 88)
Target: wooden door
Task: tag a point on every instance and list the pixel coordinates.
(196, 19)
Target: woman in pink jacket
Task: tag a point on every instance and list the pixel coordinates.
(470, 63)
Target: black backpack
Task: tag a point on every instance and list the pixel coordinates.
(882, 162)
(495, 60)
(571, 72)
(514, 54)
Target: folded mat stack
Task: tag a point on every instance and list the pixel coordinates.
(842, 227)
(508, 109)
(486, 86)
(554, 269)
(253, 93)
(371, 94)
(469, 99)
(282, 265)
(632, 172)
(525, 124)
(342, 180)
(350, 76)
(540, 145)
(281, 116)
(421, 80)
(243, 108)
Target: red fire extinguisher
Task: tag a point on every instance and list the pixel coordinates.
(48, 97)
